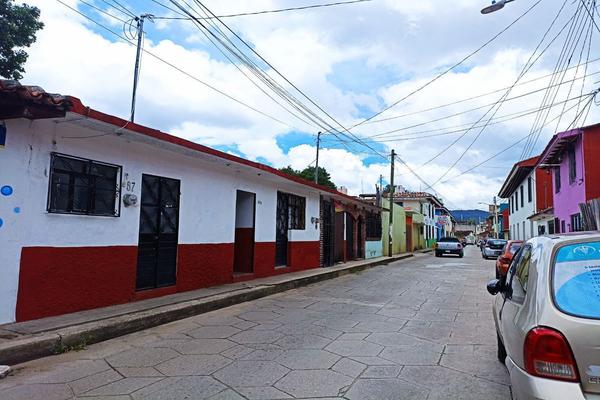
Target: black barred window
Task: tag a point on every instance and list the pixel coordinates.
(80, 186)
(373, 226)
(297, 211)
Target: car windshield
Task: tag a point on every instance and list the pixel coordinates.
(514, 247)
(576, 279)
(448, 239)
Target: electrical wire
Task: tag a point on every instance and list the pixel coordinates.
(450, 69)
(386, 133)
(339, 3)
(591, 95)
(168, 63)
(571, 42)
(472, 97)
(495, 108)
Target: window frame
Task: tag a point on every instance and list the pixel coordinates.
(296, 220)
(89, 162)
(513, 272)
(522, 196)
(557, 180)
(373, 222)
(572, 159)
(576, 223)
(529, 190)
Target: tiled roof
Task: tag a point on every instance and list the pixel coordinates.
(417, 196)
(517, 174)
(30, 101)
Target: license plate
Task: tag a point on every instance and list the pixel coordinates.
(446, 251)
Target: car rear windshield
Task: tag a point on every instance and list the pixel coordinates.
(496, 242)
(576, 279)
(448, 239)
(514, 247)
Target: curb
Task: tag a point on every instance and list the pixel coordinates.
(57, 341)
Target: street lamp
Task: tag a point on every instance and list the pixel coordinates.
(496, 5)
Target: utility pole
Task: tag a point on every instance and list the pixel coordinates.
(390, 236)
(496, 227)
(317, 160)
(380, 203)
(140, 34)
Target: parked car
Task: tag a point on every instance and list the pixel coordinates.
(547, 318)
(503, 262)
(493, 248)
(449, 245)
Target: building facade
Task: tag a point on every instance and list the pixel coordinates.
(572, 163)
(526, 189)
(97, 211)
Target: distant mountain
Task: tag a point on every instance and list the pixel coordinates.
(476, 216)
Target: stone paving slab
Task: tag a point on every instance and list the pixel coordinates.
(386, 334)
(28, 340)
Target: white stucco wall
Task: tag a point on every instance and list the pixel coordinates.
(518, 218)
(207, 203)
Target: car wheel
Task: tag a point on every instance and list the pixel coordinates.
(501, 350)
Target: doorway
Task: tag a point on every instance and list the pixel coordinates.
(338, 226)
(158, 232)
(349, 237)
(327, 243)
(243, 253)
(281, 232)
(359, 239)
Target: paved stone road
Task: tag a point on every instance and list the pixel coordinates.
(418, 329)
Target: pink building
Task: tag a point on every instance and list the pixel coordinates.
(572, 158)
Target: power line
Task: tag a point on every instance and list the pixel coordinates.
(472, 97)
(445, 72)
(496, 107)
(382, 134)
(175, 67)
(592, 95)
(334, 131)
(339, 3)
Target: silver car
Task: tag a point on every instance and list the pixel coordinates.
(493, 248)
(547, 318)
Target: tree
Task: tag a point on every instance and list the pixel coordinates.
(308, 173)
(18, 26)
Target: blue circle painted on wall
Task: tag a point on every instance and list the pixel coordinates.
(1, 222)
(17, 210)
(6, 190)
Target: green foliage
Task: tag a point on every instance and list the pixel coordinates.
(18, 26)
(308, 173)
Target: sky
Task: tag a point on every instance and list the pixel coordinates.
(353, 61)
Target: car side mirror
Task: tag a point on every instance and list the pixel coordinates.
(495, 286)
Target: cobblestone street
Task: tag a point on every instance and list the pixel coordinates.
(416, 329)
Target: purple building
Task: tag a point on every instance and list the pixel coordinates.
(573, 157)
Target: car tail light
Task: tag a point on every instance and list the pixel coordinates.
(548, 355)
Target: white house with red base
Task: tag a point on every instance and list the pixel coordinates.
(97, 211)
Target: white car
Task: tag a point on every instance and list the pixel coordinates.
(547, 314)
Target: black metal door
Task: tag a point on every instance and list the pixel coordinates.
(281, 234)
(359, 239)
(349, 237)
(328, 238)
(159, 228)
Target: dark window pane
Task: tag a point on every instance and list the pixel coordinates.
(83, 186)
(81, 194)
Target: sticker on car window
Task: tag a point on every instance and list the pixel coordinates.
(577, 279)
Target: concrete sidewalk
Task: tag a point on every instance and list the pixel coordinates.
(24, 341)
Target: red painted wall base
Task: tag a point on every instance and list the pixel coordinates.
(58, 280)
